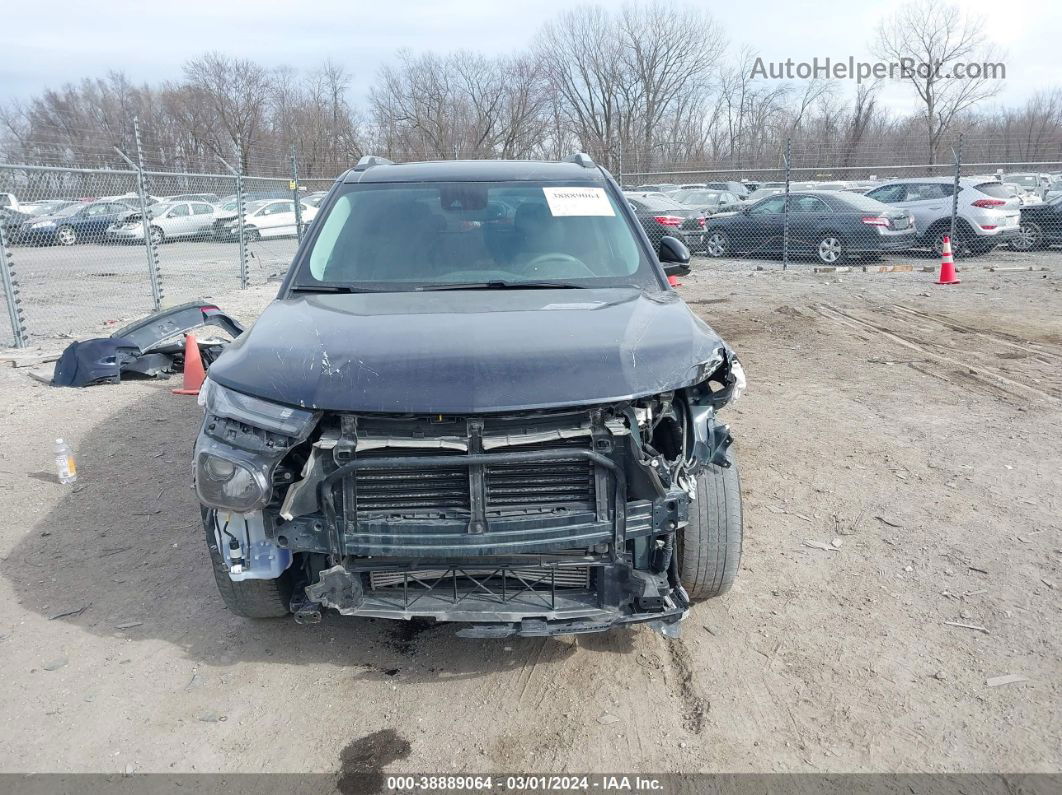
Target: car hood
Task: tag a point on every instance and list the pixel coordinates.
(469, 351)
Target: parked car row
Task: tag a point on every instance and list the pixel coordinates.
(833, 220)
(185, 216)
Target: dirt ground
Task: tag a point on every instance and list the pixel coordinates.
(901, 452)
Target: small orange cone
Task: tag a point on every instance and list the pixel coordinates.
(947, 265)
(673, 281)
(194, 373)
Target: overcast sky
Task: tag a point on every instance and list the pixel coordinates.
(150, 41)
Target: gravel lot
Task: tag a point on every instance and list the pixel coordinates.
(912, 428)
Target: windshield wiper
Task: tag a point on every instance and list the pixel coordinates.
(331, 288)
(499, 284)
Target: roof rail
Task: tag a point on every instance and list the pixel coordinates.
(369, 161)
(581, 159)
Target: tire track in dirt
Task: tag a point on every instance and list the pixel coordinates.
(983, 372)
(999, 337)
(694, 705)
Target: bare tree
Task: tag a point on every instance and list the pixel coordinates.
(938, 42)
(235, 93)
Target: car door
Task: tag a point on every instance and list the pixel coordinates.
(809, 218)
(179, 221)
(92, 221)
(763, 226)
(927, 202)
(202, 218)
(276, 219)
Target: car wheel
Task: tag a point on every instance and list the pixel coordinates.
(709, 547)
(249, 598)
(251, 235)
(717, 244)
(66, 235)
(936, 239)
(830, 249)
(1030, 236)
(156, 236)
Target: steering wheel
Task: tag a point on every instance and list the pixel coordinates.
(539, 266)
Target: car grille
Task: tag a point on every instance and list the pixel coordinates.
(509, 487)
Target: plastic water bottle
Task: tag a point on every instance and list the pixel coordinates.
(65, 467)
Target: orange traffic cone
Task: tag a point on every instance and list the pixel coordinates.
(947, 265)
(194, 373)
(673, 281)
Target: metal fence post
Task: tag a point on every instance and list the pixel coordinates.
(785, 206)
(239, 213)
(11, 293)
(295, 194)
(154, 274)
(957, 152)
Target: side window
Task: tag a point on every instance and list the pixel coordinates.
(810, 204)
(95, 209)
(924, 191)
(771, 206)
(888, 194)
(202, 209)
(180, 211)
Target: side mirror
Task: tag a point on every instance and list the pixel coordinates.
(674, 256)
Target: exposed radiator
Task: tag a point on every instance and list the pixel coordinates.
(538, 578)
(508, 486)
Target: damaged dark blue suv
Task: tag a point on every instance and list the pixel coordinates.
(475, 399)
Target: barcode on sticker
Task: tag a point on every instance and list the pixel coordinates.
(578, 201)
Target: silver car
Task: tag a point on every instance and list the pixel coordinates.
(987, 214)
(167, 222)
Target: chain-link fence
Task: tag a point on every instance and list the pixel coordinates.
(84, 249)
(826, 215)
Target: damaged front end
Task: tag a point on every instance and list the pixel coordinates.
(523, 523)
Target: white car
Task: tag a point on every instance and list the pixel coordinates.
(271, 218)
(167, 222)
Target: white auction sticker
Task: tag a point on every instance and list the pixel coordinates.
(578, 201)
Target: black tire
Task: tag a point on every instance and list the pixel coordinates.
(935, 237)
(249, 598)
(157, 236)
(709, 547)
(251, 235)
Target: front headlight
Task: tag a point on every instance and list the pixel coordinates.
(242, 441)
(224, 483)
(275, 417)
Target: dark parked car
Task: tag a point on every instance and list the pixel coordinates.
(79, 223)
(447, 416)
(1041, 225)
(707, 201)
(828, 224)
(661, 215)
